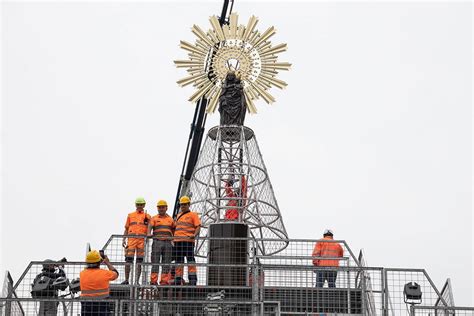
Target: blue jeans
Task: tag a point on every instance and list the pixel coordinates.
(326, 275)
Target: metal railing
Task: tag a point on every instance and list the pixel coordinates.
(55, 306)
(284, 284)
(441, 310)
(447, 294)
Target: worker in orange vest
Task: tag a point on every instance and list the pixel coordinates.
(136, 224)
(94, 283)
(187, 227)
(333, 250)
(161, 228)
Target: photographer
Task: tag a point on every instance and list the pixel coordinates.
(95, 284)
(44, 288)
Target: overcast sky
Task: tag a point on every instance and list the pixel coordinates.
(372, 137)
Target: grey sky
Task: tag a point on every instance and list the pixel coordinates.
(372, 137)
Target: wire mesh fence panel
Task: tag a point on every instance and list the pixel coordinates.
(397, 299)
(297, 290)
(418, 310)
(302, 252)
(209, 307)
(69, 288)
(232, 270)
(58, 306)
(370, 280)
(446, 294)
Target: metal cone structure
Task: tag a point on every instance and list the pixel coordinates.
(230, 184)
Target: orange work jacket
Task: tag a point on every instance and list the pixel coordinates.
(233, 213)
(135, 224)
(162, 226)
(94, 282)
(186, 226)
(327, 249)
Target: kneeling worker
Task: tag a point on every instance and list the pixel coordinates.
(94, 283)
(162, 226)
(187, 225)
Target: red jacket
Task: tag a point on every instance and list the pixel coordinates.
(233, 213)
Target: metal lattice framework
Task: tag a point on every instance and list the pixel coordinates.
(231, 168)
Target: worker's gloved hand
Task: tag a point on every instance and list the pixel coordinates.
(124, 243)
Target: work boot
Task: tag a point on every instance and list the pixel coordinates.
(125, 282)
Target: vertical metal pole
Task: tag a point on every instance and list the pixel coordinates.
(385, 293)
(219, 172)
(363, 293)
(116, 303)
(348, 291)
(144, 272)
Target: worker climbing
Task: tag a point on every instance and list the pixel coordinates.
(187, 227)
(237, 198)
(135, 225)
(161, 228)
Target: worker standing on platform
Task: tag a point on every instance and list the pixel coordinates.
(331, 250)
(94, 283)
(162, 227)
(48, 275)
(136, 224)
(187, 227)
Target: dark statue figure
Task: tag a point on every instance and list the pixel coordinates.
(232, 104)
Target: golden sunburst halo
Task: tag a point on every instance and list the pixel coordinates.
(237, 48)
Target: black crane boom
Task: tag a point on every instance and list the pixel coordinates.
(197, 129)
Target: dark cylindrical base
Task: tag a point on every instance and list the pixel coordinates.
(228, 252)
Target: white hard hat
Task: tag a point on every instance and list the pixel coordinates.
(328, 232)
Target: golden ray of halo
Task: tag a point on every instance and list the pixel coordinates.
(232, 46)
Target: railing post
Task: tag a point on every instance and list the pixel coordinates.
(363, 292)
(384, 293)
(348, 291)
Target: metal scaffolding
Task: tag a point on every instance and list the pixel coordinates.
(230, 175)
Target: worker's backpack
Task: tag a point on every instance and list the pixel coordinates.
(41, 286)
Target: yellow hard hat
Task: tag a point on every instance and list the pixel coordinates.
(140, 200)
(161, 203)
(93, 257)
(184, 199)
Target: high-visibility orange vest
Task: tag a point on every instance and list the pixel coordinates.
(94, 282)
(136, 224)
(327, 249)
(162, 226)
(186, 225)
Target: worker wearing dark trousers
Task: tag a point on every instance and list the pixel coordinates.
(187, 227)
(49, 271)
(95, 285)
(161, 228)
(332, 251)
